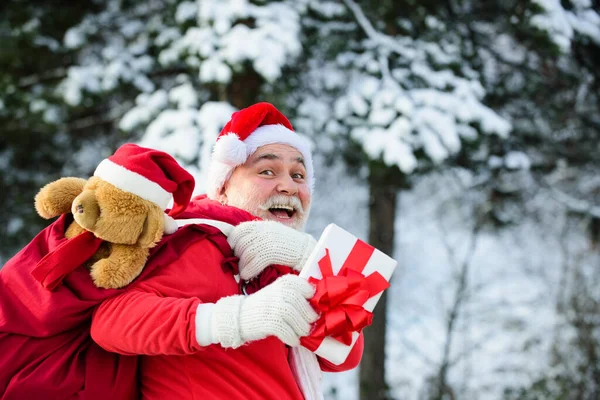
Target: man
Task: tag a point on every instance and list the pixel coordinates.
(205, 339)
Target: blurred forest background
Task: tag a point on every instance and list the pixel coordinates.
(461, 136)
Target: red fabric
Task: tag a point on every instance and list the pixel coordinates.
(158, 167)
(46, 351)
(157, 317)
(351, 362)
(61, 261)
(247, 120)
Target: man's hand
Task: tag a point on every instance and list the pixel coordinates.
(280, 309)
(259, 244)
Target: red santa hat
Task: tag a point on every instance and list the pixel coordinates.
(250, 128)
(151, 174)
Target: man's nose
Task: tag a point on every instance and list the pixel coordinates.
(286, 185)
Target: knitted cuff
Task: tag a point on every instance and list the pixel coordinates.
(226, 321)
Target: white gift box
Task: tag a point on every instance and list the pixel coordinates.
(339, 244)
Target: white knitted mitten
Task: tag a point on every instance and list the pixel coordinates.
(259, 244)
(280, 309)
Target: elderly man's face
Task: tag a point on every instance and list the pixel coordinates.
(271, 185)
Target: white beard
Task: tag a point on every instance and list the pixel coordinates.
(249, 203)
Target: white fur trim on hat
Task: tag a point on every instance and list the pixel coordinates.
(228, 153)
(230, 150)
(131, 182)
(171, 225)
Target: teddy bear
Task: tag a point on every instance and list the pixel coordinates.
(123, 205)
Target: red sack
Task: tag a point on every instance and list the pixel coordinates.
(46, 351)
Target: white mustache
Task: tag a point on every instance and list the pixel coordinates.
(281, 200)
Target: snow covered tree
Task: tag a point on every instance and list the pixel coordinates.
(165, 71)
(191, 64)
(404, 87)
(400, 102)
(485, 114)
(39, 131)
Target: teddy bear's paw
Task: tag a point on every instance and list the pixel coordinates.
(110, 275)
(56, 197)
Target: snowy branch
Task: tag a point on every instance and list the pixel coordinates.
(378, 37)
(459, 299)
(100, 119)
(31, 80)
(576, 205)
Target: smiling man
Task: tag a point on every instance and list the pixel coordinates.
(201, 336)
(276, 176)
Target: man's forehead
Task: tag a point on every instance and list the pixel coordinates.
(277, 151)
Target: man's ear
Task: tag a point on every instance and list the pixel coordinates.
(153, 229)
(222, 195)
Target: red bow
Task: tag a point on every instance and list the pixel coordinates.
(340, 298)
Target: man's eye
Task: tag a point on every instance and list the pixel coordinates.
(267, 172)
(298, 176)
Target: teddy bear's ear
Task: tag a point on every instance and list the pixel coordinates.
(56, 197)
(153, 228)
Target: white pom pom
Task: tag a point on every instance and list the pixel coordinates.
(230, 150)
(170, 225)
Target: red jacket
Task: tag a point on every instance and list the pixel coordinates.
(156, 317)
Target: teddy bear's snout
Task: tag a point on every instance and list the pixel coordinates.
(85, 210)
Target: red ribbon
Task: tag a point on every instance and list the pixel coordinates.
(51, 270)
(340, 298)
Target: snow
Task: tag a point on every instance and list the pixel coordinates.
(554, 21)
(586, 23)
(214, 70)
(146, 107)
(502, 337)
(435, 79)
(517, 160)
(400, 154)
(184, 96)
(424, 108)
(46, 41)
(134, 117)
(358, 104)
(404, 106)
(186, 11)
(211, 118)
(382, 116)
(74, 38)
(176, 132)
(14, 225)
(432, 145)
(269, 45)
(442, 126)
(132, 28)
(166, 36)
(328, 9)
(31, 26)
(80, 79)
(561, 24)
(440, 119)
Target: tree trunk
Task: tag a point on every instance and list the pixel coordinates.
(383, 190)
(244, 88)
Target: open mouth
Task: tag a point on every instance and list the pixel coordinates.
(282, 212)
